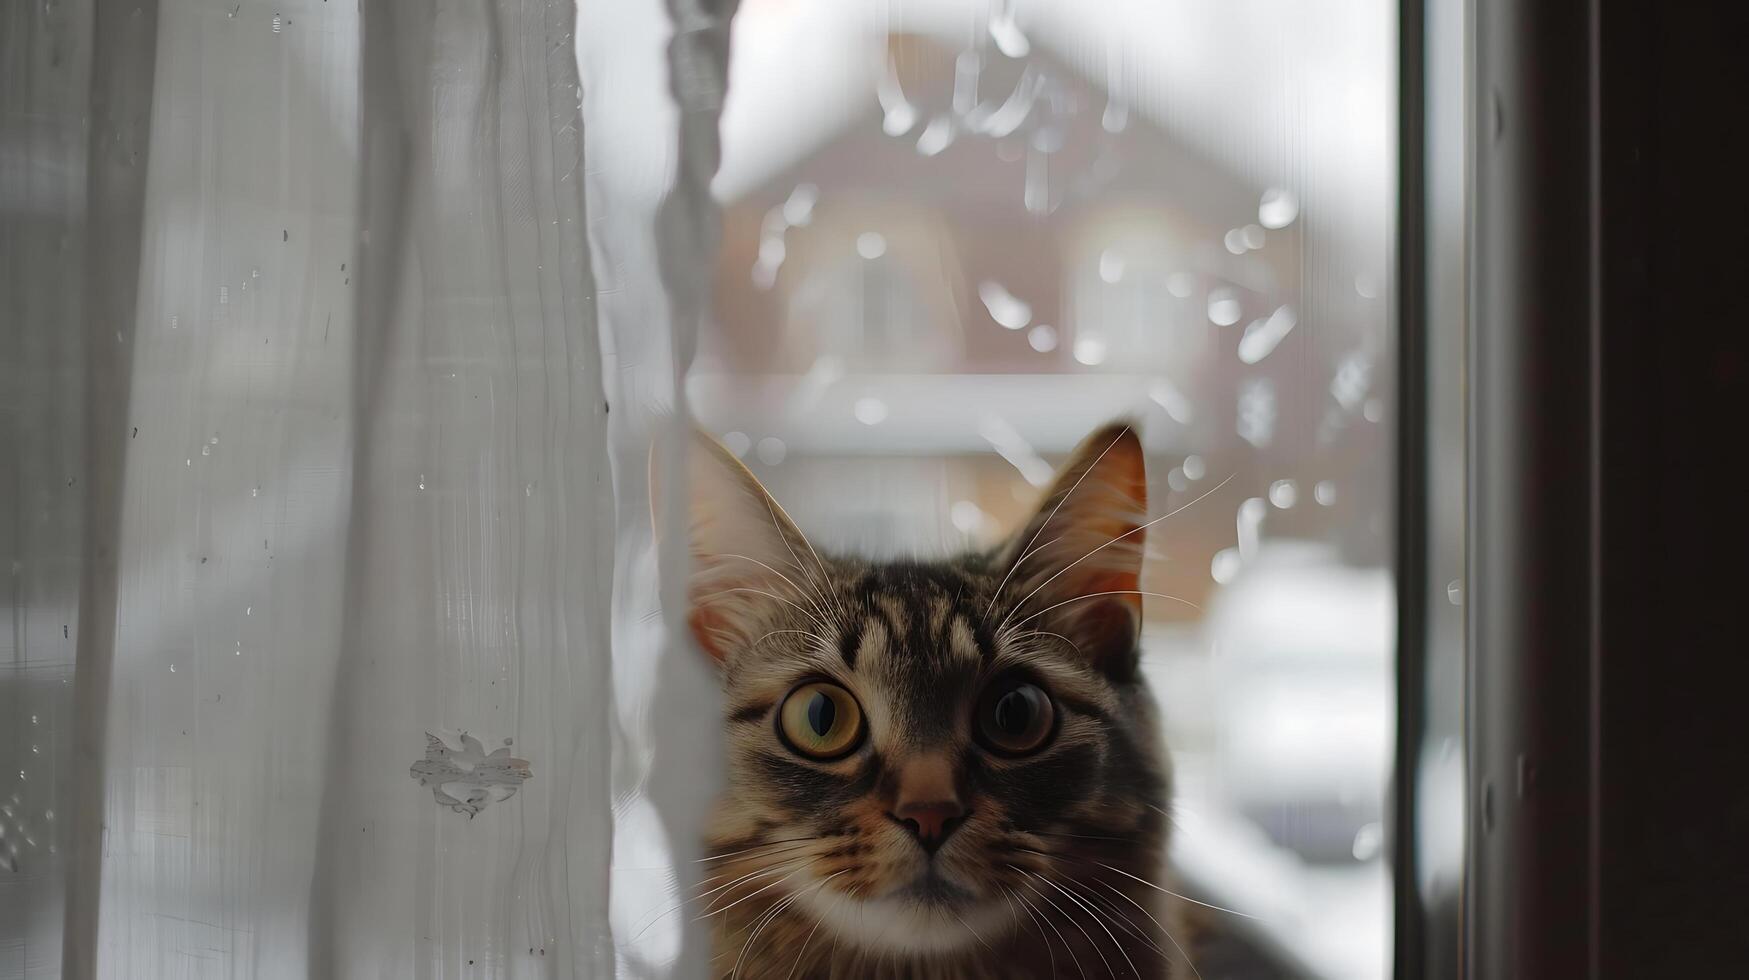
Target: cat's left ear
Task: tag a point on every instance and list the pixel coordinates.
(1075, 567)
(749, 561)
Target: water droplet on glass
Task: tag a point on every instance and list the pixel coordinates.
(1177, 480)
(1223, 307)
(1278, 209)
(1168, 397)
(798, 208)
(1116, 116)
(1007, 35)
(1284, 493)
(772, 251)
(965, 81)
(1253, 236)
(1454, 592)
(1048, 139)
(1374, 410)
(1090, 351)
(1181, 284)
(206, 450)
(1235, 241)
(966, 516)
(1262, 336)
(1194, 467)
(1224, 567)
(1324, 493)
(255, 492)
(772, 451)
(1249, 523)
(1003, 306)
(421, 481)
(899, 114)
(1111, 266)
(1256, 423)
(868, 410)
(248, 610)
(1366, 286)
(1037, 195)
(871, 245)
(173, 668)
(1043, 338)
(1368, 841)
(737, 443)
(936, 136)
(1353, 377)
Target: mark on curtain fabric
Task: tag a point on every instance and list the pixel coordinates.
(466, 779)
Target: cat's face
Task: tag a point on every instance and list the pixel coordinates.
(918, 751)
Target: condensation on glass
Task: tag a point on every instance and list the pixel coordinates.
(958, 236)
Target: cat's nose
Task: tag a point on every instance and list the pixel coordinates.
(930, 823)
(927, 802)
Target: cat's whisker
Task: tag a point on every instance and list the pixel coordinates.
(1095, 595)
(1114, 914)
(811, 596)
(799, 866)
(810, 938)
(1072, 644)
(755, 873)
(1097, 920)
(1163, 930)
(1028, 551)
(1168, 891)
(1071, 920)
(1041, 919)
(799, 608)
(1049, 833)
(974, 932)
(1172, 817)
(774, 509)
(1037, 926)
(756, 847)
(1134, 530)
(773, 633)
(771, 916)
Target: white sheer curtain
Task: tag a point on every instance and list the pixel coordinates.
(336, 345)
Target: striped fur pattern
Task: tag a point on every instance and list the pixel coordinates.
(1054, 868)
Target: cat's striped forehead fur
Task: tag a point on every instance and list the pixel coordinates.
(1042, 854)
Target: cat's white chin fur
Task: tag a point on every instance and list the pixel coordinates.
(902, 924)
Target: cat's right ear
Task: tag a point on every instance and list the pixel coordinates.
(746, 554)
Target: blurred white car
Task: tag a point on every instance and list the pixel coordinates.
(1302, 674)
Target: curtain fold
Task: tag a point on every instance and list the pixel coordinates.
(374, 374)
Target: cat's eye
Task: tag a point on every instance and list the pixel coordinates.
(820, 720)
(1015, 717)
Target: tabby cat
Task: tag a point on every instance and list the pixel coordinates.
(945, 769)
